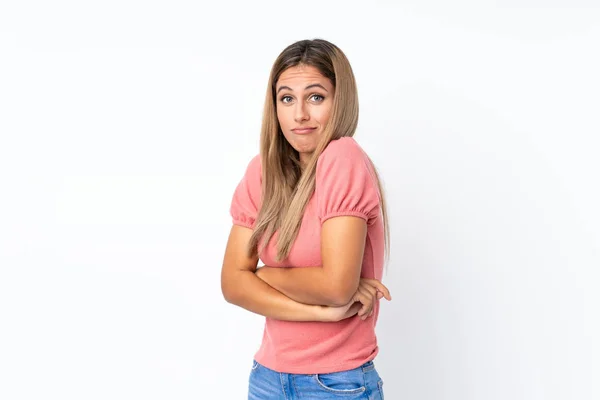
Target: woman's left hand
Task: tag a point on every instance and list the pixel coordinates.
(368, 292)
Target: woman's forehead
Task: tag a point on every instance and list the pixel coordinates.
(301, 75)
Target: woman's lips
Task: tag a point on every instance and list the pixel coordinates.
(303, 130)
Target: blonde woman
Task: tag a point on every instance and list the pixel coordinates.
(311, 207)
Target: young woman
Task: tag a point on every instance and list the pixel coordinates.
(311, 207)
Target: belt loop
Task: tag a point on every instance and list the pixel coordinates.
(368, 366)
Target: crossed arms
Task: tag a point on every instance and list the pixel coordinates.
(329, 293)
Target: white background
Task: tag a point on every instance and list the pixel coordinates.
(126, 125)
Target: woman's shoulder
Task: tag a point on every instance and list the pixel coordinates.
(345, 181)
(344, 159)
(345, 147)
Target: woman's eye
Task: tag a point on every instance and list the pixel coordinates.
(315, 97)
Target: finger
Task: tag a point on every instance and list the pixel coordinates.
(372, 289)
(375, 294)
(372, 283)
(354, 309)
(364, 302)
(351, 311)
(368, 302)
(381, 287)
(368, 294)
(371, 292)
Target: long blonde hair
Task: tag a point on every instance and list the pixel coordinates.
(286, 187)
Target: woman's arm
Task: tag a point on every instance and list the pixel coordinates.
(334, 284)
(240, 286)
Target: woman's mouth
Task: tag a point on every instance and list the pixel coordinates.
(303, 131)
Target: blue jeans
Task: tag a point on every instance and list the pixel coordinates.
(361, 383)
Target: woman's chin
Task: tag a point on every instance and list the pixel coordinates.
(304, 144)
(306, 150)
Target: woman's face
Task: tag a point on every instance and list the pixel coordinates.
(304, 98)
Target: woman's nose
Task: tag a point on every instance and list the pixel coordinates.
(301, 112)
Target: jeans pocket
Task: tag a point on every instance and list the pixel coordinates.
(341, 382)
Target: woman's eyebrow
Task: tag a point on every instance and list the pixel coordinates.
(308, 87)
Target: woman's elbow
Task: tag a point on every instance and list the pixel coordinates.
(229, 291)
(341, 296)
(227, 294)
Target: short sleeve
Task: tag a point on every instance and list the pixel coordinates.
(345, 182)
(246, 197)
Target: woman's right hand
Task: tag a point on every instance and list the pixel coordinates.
(335, 314)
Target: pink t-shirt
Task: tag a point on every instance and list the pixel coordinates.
(345, 185)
